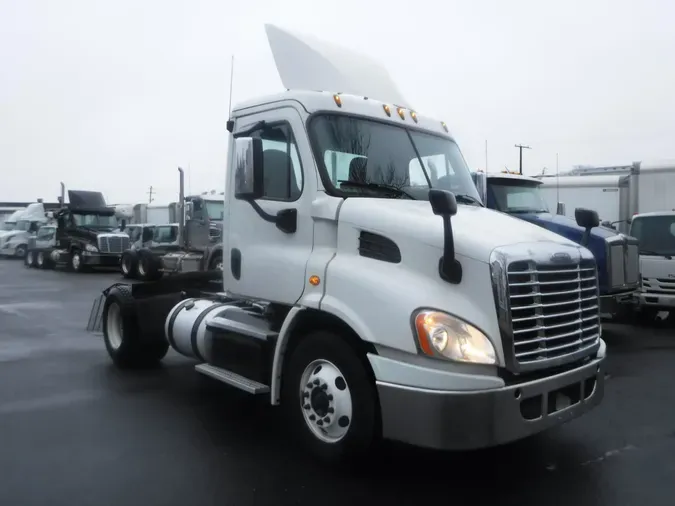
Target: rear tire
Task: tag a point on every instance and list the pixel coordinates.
(126, 346)
(216, 263)
(40, 260)
(329, 398)
(29, 259)
(75, 261)
(147, 267)
(128, 266)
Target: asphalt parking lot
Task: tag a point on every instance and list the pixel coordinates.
(75, 431)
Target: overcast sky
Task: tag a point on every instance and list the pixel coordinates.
(114, 95)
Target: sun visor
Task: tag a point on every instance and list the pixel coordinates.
(85, 199)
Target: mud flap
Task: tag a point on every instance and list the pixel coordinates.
(96, 315)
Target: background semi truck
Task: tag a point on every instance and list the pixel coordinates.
(616, 254)
(363, 303)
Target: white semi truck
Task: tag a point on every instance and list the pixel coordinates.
(362, 304)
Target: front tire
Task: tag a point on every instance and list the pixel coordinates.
(126, 345)
(216, 263)
(40, 260)
(75, 262)
(329, 398)
(21, 251)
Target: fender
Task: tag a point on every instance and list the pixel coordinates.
(211, 252)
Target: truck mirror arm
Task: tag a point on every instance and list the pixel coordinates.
(285, 220)
(444, 204)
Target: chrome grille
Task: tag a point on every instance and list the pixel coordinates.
(113, 243)
(553, 308)
(623, 263)
(659, 286)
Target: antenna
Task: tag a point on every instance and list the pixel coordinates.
(486, 157)
(557, 181)
(229, 110)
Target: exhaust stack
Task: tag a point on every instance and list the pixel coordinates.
(62, 198)
(181, 208)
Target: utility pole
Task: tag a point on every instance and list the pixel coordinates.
(521, 147)
(150, 192)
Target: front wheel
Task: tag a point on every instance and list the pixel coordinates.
(216, 263)
(128, 266)
(329, 397)
(126, 345)
(21, 251)
(76, 264)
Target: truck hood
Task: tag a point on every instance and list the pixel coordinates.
(557, 223)
(5, 235)
(652, 266)
(476, 230)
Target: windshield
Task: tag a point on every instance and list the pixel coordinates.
(215, 209)
(94, 220)
(355, 150)
(514, 197)
(656, 234)
(22, 225)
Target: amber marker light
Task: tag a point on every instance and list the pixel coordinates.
(338, 100)
(314, 280)
(387, 109)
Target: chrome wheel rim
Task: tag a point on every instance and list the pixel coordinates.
(114, 326)
(325, 401)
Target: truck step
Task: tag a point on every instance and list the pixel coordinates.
(233, 379)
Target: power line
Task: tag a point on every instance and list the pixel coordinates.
(521, 147)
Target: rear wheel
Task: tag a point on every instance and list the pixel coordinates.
(28, 259)
(329, 398)
(128, 266)
(126, 345)
(40, 260)
(216, 263)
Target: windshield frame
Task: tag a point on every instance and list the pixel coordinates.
(115, 224)
(407, 128)
(516, 183)
(641, 248)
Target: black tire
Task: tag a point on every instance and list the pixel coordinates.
(128, 265)
(216, 262)
(147, 268)
(126, 346)
(41, 260)
(363, 429)
(75, 261)
(29, 259)
(21, 251)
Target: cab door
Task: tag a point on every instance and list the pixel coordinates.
(260, 259)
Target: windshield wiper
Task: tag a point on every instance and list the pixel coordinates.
(467, 199)
(377, 186)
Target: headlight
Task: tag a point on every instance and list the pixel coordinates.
(442, 335)
(91, 247)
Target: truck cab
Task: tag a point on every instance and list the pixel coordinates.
(616, 254)
(14, 243)
(85, 233)
(357, 293)
(655, 232)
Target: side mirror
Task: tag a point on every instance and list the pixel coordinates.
(189, 210)
(50, 214)
(560, 209)
(587, 219)
(444, 204)
(248, 176)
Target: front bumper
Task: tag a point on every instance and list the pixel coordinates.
(94, 259)
(462, 420)
(655, 300)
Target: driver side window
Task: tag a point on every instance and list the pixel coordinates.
(283, 178)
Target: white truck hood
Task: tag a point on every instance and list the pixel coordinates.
(657, 267)
(7, 234)
(476, 230)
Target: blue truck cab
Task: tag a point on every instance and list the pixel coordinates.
(616, 254)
